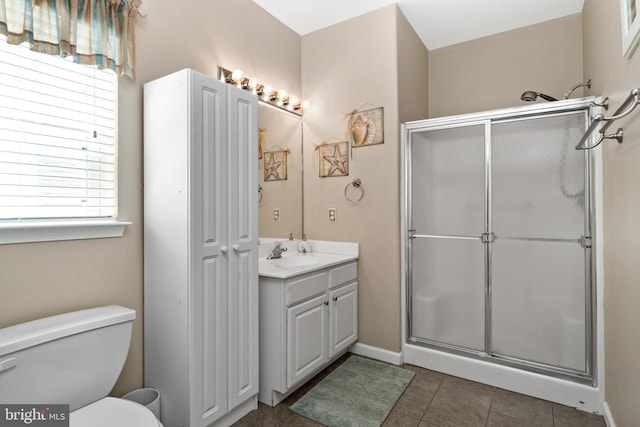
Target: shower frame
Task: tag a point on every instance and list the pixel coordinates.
(581, 391)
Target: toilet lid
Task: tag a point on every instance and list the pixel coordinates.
(110, 412)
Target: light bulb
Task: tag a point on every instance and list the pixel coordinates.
(268, 89)
(237, 76)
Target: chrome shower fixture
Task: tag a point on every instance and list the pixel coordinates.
(570, 91)
(531, 96)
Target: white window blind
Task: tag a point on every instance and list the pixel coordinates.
(58, 138)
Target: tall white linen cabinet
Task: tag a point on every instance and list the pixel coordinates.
(200, 249)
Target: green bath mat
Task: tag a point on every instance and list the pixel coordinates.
(359, 393)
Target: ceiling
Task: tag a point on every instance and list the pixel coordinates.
(438, 23)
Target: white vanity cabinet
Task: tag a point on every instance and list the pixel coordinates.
(307, 338)
(343, 322)
(200, 249)
(306, 322)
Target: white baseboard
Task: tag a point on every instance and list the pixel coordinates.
(377, 353)
(607, 415)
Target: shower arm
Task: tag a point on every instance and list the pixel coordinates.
(624, 110)
(570, 91)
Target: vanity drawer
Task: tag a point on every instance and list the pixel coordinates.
(343, 274)
(306, 287)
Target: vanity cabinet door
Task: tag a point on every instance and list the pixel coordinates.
(306, 338)
(343, 318)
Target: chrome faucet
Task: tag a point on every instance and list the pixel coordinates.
(276, 253)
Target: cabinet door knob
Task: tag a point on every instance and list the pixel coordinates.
(335, 298)
(236, 247)
(224, 249)
(326, 303)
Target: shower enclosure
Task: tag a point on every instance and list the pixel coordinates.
(499, 245)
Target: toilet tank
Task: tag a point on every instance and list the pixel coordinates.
(73, 358)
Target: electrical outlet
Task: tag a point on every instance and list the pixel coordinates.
(276, 214)
(332, 214)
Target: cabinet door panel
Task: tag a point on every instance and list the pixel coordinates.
(306, 338)
(243, 332)
(242, 138)
(210, 267)
(343, 318)
(242, 203)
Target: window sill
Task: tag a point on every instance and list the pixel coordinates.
(47, 231)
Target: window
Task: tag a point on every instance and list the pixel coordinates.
(58, 145)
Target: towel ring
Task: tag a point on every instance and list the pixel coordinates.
(357, 185)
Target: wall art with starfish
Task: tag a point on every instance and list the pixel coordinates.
(275, 165)
(334, 159)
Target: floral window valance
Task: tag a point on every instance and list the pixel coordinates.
(94, 32)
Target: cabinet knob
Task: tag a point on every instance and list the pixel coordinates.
(224, 249)
(335, 298)
(236, 247)
(326, 303)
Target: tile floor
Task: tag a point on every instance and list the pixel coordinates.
(433, 399)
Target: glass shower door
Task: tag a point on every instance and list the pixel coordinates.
(499, 258)
(447, 220)
(539, 259)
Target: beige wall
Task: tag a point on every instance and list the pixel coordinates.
(413, 73)
(349, 66)
(615, 76)
(492, 72)
(41, 279)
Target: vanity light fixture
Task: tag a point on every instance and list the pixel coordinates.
(266, 93)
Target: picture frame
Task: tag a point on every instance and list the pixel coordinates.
(275, 165)
(260, 142)
(366, 127)
(630, 14)
(334, 159)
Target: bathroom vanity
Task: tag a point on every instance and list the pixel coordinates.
(308, 314)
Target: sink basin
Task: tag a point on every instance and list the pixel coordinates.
(295, 261)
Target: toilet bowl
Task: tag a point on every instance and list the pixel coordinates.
(73, 358)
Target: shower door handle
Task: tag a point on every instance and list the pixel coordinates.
(488, 237)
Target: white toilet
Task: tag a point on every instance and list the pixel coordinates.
(73, 358)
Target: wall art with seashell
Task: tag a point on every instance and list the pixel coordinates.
(366, 127)
(260, 142)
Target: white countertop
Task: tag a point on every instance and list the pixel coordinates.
(293, 263)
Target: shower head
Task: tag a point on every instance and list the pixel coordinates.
(530, 96)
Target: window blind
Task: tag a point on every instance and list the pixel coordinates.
(58, 138)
